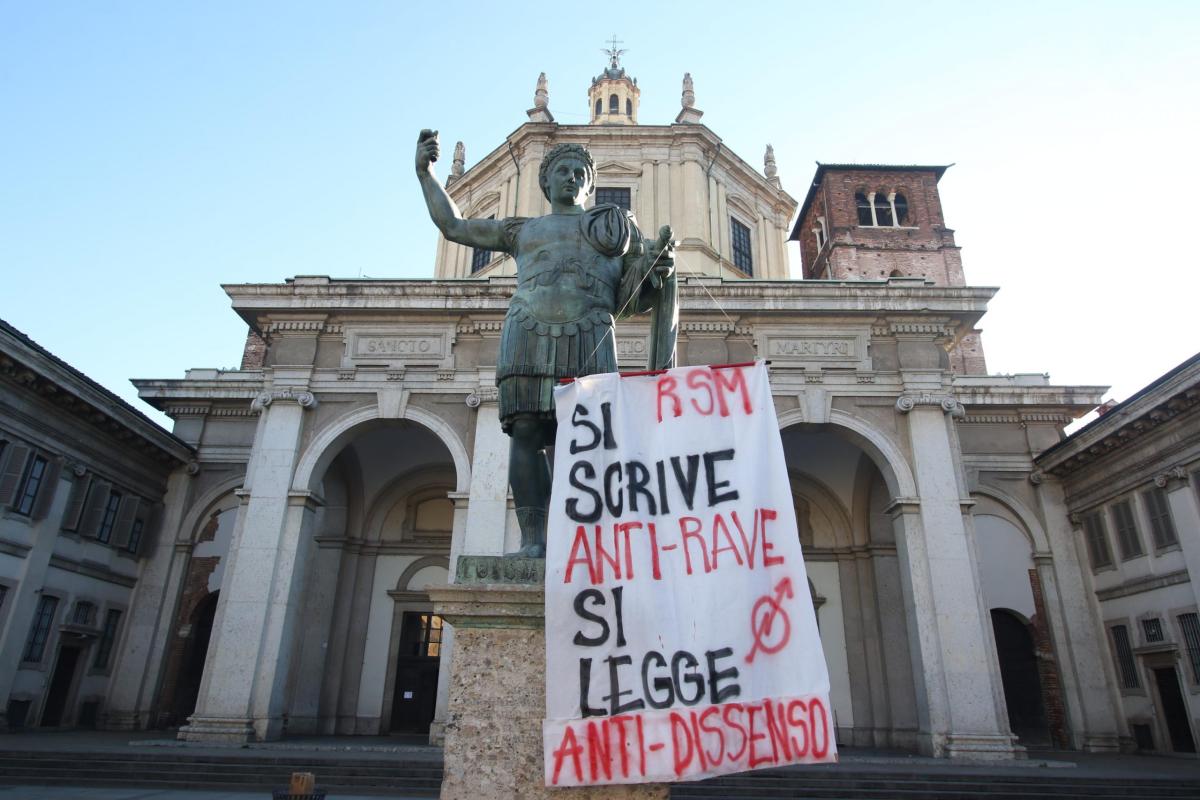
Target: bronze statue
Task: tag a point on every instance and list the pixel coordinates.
(576, 270)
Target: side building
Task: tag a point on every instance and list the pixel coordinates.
(1132, 488)
(84, 479)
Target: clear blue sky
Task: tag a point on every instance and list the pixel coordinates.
(151, 151)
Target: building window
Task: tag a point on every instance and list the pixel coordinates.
(107, 638)
(614, 104)
(1190, 625)
(1161, 524)
(35, 646)
(881, 209)
(743, 256)
(900, 207)
(421, 635)
(1125, 662)
(1097, 541)
(628, 108)
(135, 536)
(84, 613)
(1127, 535)
(599, 107)
(613, 196)
(27, 494)
(1152, 629)
(109, 520)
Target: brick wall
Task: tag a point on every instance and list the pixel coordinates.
(254, 354)
(1052, 700)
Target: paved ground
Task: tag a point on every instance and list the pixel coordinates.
(864, 760)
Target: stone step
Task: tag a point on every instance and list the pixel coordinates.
(942, 787)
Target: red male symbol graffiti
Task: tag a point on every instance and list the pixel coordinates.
(762, 621)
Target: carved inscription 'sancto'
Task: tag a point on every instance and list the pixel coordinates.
(631, 348)
(832, 349)
(399, 346)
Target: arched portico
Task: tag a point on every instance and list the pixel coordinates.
(907, 562)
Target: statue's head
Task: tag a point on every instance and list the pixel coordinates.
(564, 167)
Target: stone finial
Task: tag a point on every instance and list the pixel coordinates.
(769, 167)
(688, 113)
(541, 96)
(456, 166)
(541, 102)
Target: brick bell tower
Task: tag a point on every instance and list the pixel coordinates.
(871, 222)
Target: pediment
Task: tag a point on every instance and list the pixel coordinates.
(618, 168)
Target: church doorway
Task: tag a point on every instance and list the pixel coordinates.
(191, 670)
(414, 697)
(1174, 709)
(61, 683)
(1015, 650)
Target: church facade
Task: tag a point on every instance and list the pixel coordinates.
(357, 453)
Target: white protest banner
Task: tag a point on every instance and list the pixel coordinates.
(680, 635)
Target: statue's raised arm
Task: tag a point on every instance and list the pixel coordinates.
(487, 234)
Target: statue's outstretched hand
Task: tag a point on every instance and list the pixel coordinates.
(428, 149)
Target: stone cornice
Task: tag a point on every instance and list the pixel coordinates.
(28, 365)
(1175, 394)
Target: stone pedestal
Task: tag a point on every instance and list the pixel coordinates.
(493, 746)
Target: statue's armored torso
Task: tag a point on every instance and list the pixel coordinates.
(559, 323)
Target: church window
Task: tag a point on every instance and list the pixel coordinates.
(1161, 524)
(1127, 534)
(629, 108)
(480, 258)
(614, 104)
(35, 645)
(900, 206)
(614, 196)
(743, 257)
(865, 217)
(107, 638)
(599, 107)
(1097, 541)
(883, 210)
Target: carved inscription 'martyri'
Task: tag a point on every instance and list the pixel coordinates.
(813, 348)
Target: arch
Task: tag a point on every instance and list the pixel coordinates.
(614, 104)
(1024, 518)
(483, 204)
(203, 507)
(827, 501)
(877, 445)
(378, 507)
(340, 431)
(628, 107)
(418, 565)
(743, 206)
(599, 107)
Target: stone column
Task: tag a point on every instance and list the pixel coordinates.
(1185, 513)
(249, 657)
(487, 510)
(1084, 664)
(493, 746)
(138, 669)
(946, 617)
(32, 577)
